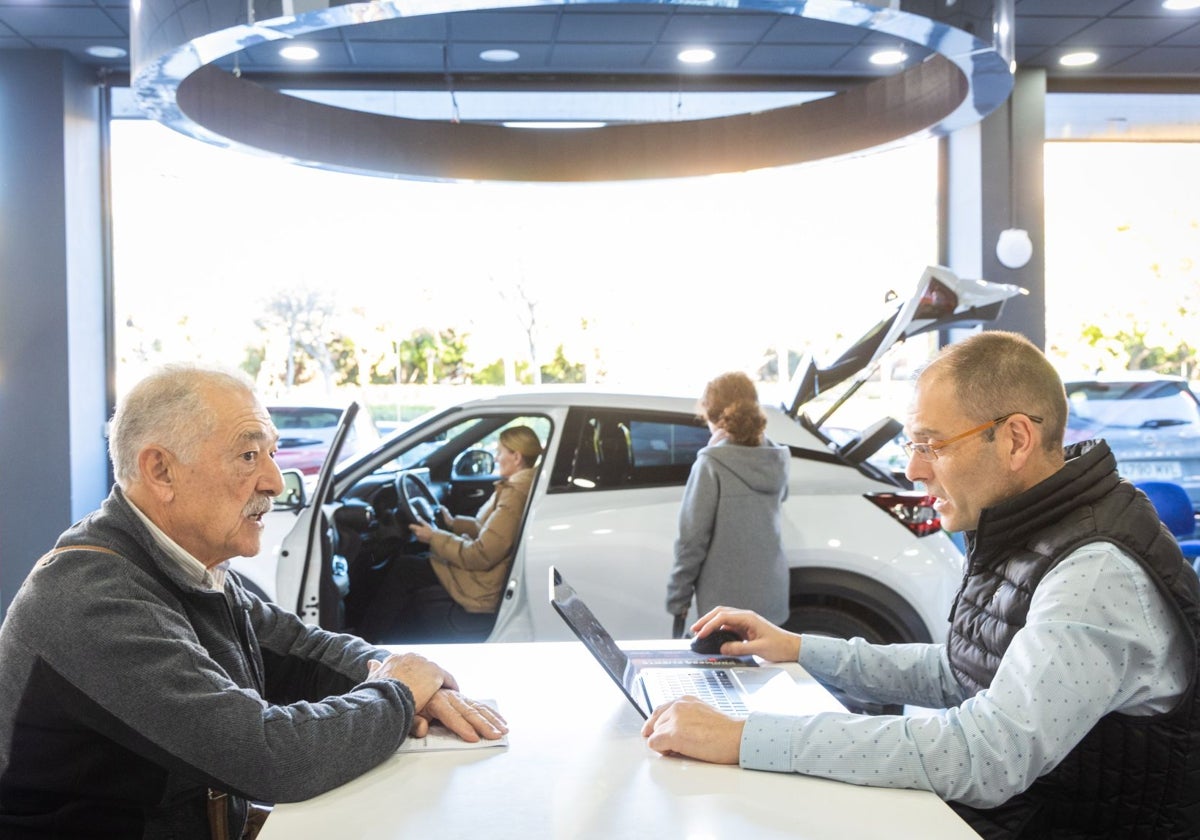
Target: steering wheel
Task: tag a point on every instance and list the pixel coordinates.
(416, 500)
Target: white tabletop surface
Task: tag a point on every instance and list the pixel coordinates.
(577, 767)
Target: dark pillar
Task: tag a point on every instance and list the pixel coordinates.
(53, 391)
(982, 185)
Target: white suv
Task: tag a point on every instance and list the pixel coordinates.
(867, 554)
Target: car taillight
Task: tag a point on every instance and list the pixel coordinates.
(912, 510)
(937, 301)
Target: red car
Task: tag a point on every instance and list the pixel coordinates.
(306, 429)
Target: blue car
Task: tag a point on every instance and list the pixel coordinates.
(1151, 421)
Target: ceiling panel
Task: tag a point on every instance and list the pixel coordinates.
(600, 57)
(1181, 60)
(1137, 38)
(1126, 32)
(602, 27)
(55, 22)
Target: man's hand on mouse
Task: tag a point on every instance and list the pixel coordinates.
(714, 643)
(758, 636)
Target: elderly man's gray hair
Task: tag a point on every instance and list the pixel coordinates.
(167, 408)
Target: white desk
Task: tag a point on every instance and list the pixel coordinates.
(577, 767)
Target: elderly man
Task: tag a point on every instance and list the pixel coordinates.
(143, 691)
(1069, 677)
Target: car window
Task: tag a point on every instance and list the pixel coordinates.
(288, 417)
(481, 432)
(540, 426)
(605, 449)
(421, 448)
(1131, 405)
(665, 444)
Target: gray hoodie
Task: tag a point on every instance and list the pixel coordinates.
(729, 551)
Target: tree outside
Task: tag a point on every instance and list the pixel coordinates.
(1123, 256)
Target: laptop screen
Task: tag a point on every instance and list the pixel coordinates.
(585, 625)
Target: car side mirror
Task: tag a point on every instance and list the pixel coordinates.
(474, 463)
(292, 497)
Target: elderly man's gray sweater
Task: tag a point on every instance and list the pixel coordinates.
(126, 692)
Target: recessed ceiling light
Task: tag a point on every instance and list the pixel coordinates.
(105, 51)
(696, 55)
(558, 124)
(299, 52)
(886, 58)
(1078, 59)
(1181, 5)
(499, 55)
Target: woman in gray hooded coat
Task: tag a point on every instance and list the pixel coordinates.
(729, 549)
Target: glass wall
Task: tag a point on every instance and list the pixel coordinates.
(319, 279)
(1122, 177)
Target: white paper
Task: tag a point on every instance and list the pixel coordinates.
(441, 738)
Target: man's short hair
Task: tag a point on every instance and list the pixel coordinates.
(996, 373)
(168, 408)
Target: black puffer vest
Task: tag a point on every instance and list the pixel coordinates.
(1130, 776)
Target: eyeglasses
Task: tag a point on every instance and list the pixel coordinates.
(929, 451)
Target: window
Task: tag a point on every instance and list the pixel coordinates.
(315, 279)
(603, 450)
(1122, 172)
(665, 444)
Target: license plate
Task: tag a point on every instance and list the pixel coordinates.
(1150, 470)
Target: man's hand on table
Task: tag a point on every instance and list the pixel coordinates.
(692, 728)
(422, 677)
(466, 718)
(436, 697)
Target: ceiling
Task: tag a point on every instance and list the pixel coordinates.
(1135, 39)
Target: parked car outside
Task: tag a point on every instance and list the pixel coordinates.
(306, 429)
(866, 550)
(1151, 421)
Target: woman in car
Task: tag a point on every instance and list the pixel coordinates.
(729, 550)
(468, 555)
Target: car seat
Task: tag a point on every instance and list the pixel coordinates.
(613, 448)
(1176, 512)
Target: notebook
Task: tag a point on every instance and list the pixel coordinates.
(650, 678)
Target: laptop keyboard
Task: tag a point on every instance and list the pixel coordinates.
(714, 686)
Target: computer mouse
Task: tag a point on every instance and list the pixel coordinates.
(711, 644)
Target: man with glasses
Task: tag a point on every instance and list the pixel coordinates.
(1069, 676)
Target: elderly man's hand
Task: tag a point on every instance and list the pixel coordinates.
(466, 718)
(693, 728)
(422, 677)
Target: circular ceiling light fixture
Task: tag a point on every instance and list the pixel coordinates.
(1079, 59)
(299, 52)
(554, 125)
(500, 55)
(888, 58)
(696, 55)
(1180, 5)
(1014, 248)
(182, 79)
(106, 51)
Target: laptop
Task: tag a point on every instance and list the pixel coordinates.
(650, 678)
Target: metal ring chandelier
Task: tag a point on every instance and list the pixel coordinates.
(178, 82)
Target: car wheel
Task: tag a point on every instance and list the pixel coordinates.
(843, 623)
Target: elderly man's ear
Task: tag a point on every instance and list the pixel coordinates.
(156, 468)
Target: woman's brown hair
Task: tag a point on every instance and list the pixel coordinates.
(730, 402)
